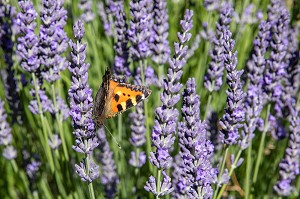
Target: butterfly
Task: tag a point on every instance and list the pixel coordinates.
(115, 96)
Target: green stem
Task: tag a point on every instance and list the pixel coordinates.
(158, 182)
(248, 171)
(14, 166)
(233, 166)
(261, 145)
(221, 171)
(91, 189)
(121, 159)
(160, 72)
(58, 117)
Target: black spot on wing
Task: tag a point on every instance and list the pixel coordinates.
(138, 98)
(117, 97)
(129, 103)
(120, 108)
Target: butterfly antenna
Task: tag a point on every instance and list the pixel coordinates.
(113, 137)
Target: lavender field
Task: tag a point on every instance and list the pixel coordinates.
(222, 120)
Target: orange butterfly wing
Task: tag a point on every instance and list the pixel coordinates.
(116, 96)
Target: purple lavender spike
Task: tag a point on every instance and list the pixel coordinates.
(107, 25)
(55, 142)
(109, 176)
(81, 102)
(212, 5)
(9, 151)
(27, 47)
(213, 78)
(167, 115)
(7, 22)
(86, 7)
(255, 97)
(121, 65)
(32, 168)
(234, 113)
(160, 47)
(276, 66)
(289, 166)
(195, 169)
(53, 39)
(139, 31)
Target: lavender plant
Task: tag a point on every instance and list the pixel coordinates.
(121, 64)
(255, 96)
(194, 173)
(167, 115)
(9, 152)
(289, 166)
(81, 102)
(213, 78)
(234, 115)
(139, 30)
(109, 176)
(160, 46)
(7, 23)
(107, 24)
(53, 39)
(86, 7)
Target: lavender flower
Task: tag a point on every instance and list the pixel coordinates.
(62, 107)
(32, 168)
(276, 66)
(55, 142)
(211, 5)
(165, 186)
(81, 102)
(274, 9)
(53, 39)
(160, 47)
(194, 46)
(255, 96)
(234, 113)
(207, 33)
(9, 151)
(289, 95)
(107, 24)
(121, 65)
(7, 21)
(27, 47)
(86, 7)
(109, 176)
(166, 115)
(47, 105)
(28, 50)
(213, 78)
(140, 30)
(195, 169)
(53, 42)
(289, 166)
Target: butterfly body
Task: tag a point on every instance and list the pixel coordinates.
(115, 96)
